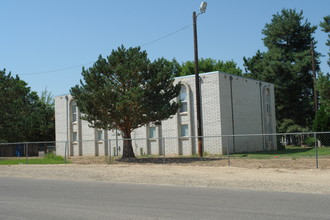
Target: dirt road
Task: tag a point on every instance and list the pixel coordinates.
(269, 179)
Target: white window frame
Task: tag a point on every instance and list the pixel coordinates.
(100, 135)
(183, 99)
(74, 112)
(184, 130)
(74, 136)
(153, 134)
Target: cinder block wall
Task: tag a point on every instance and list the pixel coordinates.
(60, 124)
(243, 111)
(230, 105)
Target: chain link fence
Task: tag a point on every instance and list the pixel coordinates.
(290, 150)
(26, 150)
(285, 150)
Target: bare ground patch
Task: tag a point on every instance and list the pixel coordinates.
(284, 163)
(280, 174)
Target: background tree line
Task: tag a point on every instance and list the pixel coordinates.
(287, 63)
(322, 119)
(24, 116)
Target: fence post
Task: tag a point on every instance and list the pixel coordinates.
(65, 146)
(228, 151)
(163, 145)
(109, 150)
(202, 140)
(27, 152)
(316, 153)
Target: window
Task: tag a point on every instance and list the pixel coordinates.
(269, 127)
(184, 131)
(152, 132)
(183, 99)
(74, 112)
(267, 102)
(267, 108)
(99, 135)
(74, 136)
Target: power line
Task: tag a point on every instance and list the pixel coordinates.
(181, 29)
(57, 70)
(80, 65)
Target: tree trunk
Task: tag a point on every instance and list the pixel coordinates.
(128, 152)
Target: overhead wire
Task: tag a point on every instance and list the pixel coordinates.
(58, 70)
(172, 33)
(80, 65)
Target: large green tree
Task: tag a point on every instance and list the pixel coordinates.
(45, 117)
(287, 64)
(325, 24)
(208, 65)
(323, 81)
(126, 91)
(22, 113)
(322, 118)
(14, 99)
(323, 87)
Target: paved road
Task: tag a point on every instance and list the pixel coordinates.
(48, 199)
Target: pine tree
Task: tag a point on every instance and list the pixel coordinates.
(210, 65)
(322, 118)
(23, 115)
(287, 64)
(127, 91)
(325, 24)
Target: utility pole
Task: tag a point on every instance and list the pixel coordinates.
(197, 82)
(198, 93)
(314, 77)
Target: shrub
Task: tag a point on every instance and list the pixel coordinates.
(322, 123)
(322, 120)
(52, 156)
(310, 141)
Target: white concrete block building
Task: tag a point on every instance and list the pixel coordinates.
(231, 106)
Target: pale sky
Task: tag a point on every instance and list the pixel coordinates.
(46, 43)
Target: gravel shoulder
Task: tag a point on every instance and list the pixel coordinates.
(267, 179)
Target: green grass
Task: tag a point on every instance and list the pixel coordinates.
(291, 151)
(48, 159)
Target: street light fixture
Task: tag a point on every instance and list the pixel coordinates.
(202, 9)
